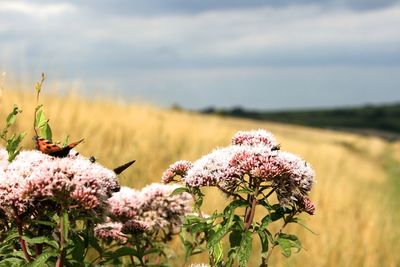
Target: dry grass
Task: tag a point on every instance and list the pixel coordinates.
(354, 222)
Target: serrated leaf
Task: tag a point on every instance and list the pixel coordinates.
(11, 235)
(245, 248)
(12, 262)
(287, 242)
(77, 248)
(121, 252)
(264, 241)
(179, 190)
(265, 222)
(234, 205)
(47, 133)
(216, 236)
(41, 240)
(245, 191)
(12, 116)
(95, 244)
(217, 251)
(42, 259)
(40, 118)
(197, 228)
(47, 223)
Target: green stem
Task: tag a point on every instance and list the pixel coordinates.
(61, 258)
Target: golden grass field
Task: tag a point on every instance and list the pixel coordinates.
(357, 221)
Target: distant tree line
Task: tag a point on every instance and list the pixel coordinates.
(383, 119)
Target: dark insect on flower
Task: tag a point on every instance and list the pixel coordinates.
(92, 159)
(123, 167)
(275, 148)
(47, 147)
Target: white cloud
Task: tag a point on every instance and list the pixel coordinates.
(37, 10)
(250, 32)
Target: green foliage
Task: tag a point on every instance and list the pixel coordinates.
(12, 141)
(42, 124)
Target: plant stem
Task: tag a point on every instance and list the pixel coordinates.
(61, 258)
(21, 240)
(250, 216)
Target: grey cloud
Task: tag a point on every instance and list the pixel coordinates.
(157, 7)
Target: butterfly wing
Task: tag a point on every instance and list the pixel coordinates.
(63, 152)
(123, 167)
(45, 146)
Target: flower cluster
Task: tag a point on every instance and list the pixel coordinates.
(111, 231)
(149, 210)
(255, 137)
(179, 168)
(254, 154)
(72, 181)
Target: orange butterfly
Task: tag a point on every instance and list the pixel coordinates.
(47, 147)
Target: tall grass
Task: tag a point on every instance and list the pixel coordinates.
(355, 223)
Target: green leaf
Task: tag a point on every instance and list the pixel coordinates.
(245, 248)
(247, 191)
(40, 118)
(197, 228)
(11, 235)
(217, 250)
(47, 223)
(41, 240)
(42, 259)
(287, 242)
(95, 244)
(66, 141)
(265, 222)
(179, 190)
(121, 252)
(12, 262)
(234, 205)
(77, 248)
(216, 236)
(264, 241)
(12, 116)
(47, 133)
(42, 124)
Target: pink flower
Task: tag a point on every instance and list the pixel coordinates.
(160, 210)
(179, 168)
(153, 206)
(70, 181)
(110, 231)
(210, 169)
(125, 204)
(254, 138)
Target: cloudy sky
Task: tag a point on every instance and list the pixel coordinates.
(262, 54)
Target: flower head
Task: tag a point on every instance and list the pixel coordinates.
(110, 231)
(160, 210)
(125, 204)
(70, 181)
(179, 168)
(254, 138)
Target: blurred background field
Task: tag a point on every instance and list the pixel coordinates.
(358, 177)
